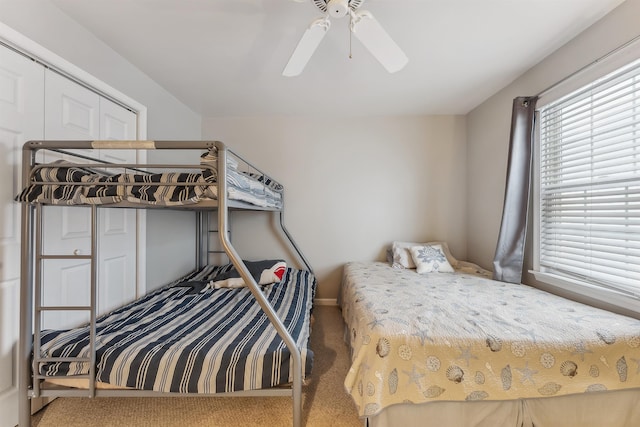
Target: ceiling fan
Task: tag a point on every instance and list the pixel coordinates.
(361, 23)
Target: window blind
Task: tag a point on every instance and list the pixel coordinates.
(590, 183)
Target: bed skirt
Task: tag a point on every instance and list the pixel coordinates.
(619, 408)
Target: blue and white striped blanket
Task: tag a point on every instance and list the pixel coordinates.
(187, 338)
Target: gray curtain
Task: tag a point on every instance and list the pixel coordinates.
(509, 257)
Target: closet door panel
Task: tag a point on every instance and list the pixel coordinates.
(71, 112)
(116, 122)
(21, 119)
(117, 226)
(74, 112)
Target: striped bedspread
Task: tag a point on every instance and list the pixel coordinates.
(162, 189)
(186, 338)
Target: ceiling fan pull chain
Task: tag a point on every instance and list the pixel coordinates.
(350, 38)
(352, 23)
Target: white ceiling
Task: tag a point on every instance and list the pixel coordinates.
(225, 57)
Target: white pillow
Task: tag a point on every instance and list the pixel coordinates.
(402, 257)
(430, 259)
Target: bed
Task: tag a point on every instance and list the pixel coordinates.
(71, 183)
(197, 336)
(184, 338)
(461, 349)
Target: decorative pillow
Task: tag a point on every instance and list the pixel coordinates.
(430, 259)
(264, 273)
(389, 254)
(402, 256)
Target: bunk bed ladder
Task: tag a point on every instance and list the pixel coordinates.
(204, 232)
(40, 309)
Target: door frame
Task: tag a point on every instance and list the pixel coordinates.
(38, 53)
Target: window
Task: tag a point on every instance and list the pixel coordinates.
(588, 228)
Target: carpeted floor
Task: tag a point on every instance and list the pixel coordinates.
(325, 401)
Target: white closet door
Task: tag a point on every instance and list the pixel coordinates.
(71, 112)
(117, 267)
(21, 119)
(74, 112)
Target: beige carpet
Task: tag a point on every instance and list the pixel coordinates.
(325, 401)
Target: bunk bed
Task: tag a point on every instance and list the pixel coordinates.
(191, 337)
(458, 348)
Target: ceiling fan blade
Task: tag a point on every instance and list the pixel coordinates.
(306, 46)
(367, 29)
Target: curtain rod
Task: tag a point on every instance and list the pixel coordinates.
(589, 65)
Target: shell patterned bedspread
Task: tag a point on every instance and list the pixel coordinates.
(456, 337)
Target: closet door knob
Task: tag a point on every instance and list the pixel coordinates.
(76, 251)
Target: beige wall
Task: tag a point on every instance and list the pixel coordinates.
(353, 185)
(488, 125)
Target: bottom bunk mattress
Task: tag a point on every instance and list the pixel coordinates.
(418, 338)
(191, 338)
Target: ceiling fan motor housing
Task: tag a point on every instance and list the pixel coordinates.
(337, 8)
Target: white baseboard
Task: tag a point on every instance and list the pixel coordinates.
(326, 301)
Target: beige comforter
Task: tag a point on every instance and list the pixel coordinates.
(456, 337)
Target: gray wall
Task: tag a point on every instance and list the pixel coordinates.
(488, 126)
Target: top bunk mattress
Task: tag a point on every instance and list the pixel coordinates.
(189, 338)
(459, 337)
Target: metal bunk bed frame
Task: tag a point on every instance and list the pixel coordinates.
(31, 278)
